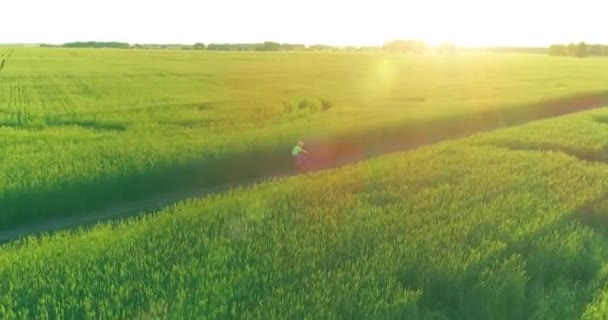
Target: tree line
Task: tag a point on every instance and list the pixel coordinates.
(276, 46)
(400, 46)
(403, 46)
(580, 50)
(397, 46)
(264, 46)
(91, 44)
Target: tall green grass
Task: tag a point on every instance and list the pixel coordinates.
(81, 129)
(469, 229)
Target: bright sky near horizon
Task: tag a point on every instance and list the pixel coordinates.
(354, 22)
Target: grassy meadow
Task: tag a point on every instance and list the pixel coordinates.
(503, 225)
(81, 129)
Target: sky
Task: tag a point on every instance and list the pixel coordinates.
(354, 22)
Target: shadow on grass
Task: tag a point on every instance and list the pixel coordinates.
(595, 215)
(599, 156)
(530, 278)
(600, 119)
(20, 208)
(90, 124)
(85, 124)
(34, 207)
(200, 106)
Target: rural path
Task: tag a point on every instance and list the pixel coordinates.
(334, 153)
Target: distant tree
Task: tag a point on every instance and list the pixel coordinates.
(95, 44)
(558, 50)
(581, 50)
(232, 46)
(214, 46)
(322, 47)
(271, 46)
(572, 49)
(292, 47)
(594, 50)
(199, 46)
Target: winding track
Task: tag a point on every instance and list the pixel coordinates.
(334, 153)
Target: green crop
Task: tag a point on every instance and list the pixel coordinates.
(81, 129)
(469, 229)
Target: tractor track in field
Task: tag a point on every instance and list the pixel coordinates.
(3, 57)
(328, 154)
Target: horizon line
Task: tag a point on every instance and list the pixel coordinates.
(292, 43)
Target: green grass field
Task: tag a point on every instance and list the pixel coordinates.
(82, 129)
(510, 224)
